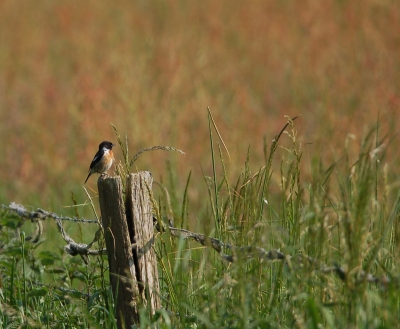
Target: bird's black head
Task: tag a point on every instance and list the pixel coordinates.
(106, 144)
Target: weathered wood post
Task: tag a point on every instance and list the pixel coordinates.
(119, 251)
(129, 234)
(139, 214)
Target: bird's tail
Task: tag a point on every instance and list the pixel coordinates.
(90, 172)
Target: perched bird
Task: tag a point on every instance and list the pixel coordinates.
(103, 159)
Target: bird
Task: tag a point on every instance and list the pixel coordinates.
(103, 159)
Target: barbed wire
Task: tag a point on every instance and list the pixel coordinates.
(300, 260)
(62, 289)
(41, 214)
(72, 248)
(218, 246)
(293, 262)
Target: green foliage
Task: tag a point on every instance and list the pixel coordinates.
(46, 289)
(342, 217)
(346, 216)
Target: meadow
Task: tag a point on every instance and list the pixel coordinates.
(328, 190)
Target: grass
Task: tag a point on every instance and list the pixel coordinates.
(345, 217)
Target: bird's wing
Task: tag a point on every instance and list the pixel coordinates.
(96, 158)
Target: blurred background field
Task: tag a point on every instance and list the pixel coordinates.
(69, 68)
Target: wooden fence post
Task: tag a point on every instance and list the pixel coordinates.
(119, 249)
(139, 213)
